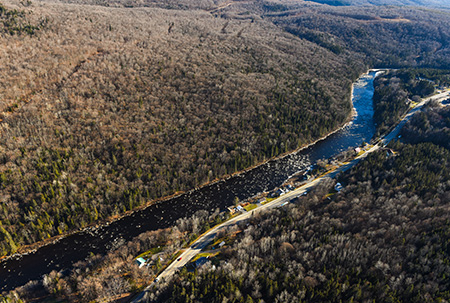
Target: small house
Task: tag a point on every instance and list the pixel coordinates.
(280, 192)
(140, 262)
(232, 210)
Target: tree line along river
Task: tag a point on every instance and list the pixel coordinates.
(20, 269)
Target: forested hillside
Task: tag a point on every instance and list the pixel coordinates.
(385, 237)
(397, 90)
(432, 3)
(382, 36)
(104, 109)
(433, 126)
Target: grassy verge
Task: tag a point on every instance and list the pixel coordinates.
(268, 200)
(250, 207)
(206, 254)
(150, 252)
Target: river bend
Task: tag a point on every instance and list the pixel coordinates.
(67, 251)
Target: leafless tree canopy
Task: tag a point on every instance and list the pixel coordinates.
(105, 106)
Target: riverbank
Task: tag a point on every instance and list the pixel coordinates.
(209, 236)
(27, 249)
(217, 194)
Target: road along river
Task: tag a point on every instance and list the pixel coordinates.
(64, 253)
(189, 253)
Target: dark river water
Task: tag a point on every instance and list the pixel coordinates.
(64, 253)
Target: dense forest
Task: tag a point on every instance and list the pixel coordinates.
(104, 109)
(112, 108)
(385, 236)
(432, 125)
(397, 90)
(430, 3)
(14, 22)
(383, 36)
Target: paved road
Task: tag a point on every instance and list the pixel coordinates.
(394, 133)
(209, 236)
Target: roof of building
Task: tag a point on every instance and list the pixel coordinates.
(140, 261)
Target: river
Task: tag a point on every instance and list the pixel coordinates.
(64, 253)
